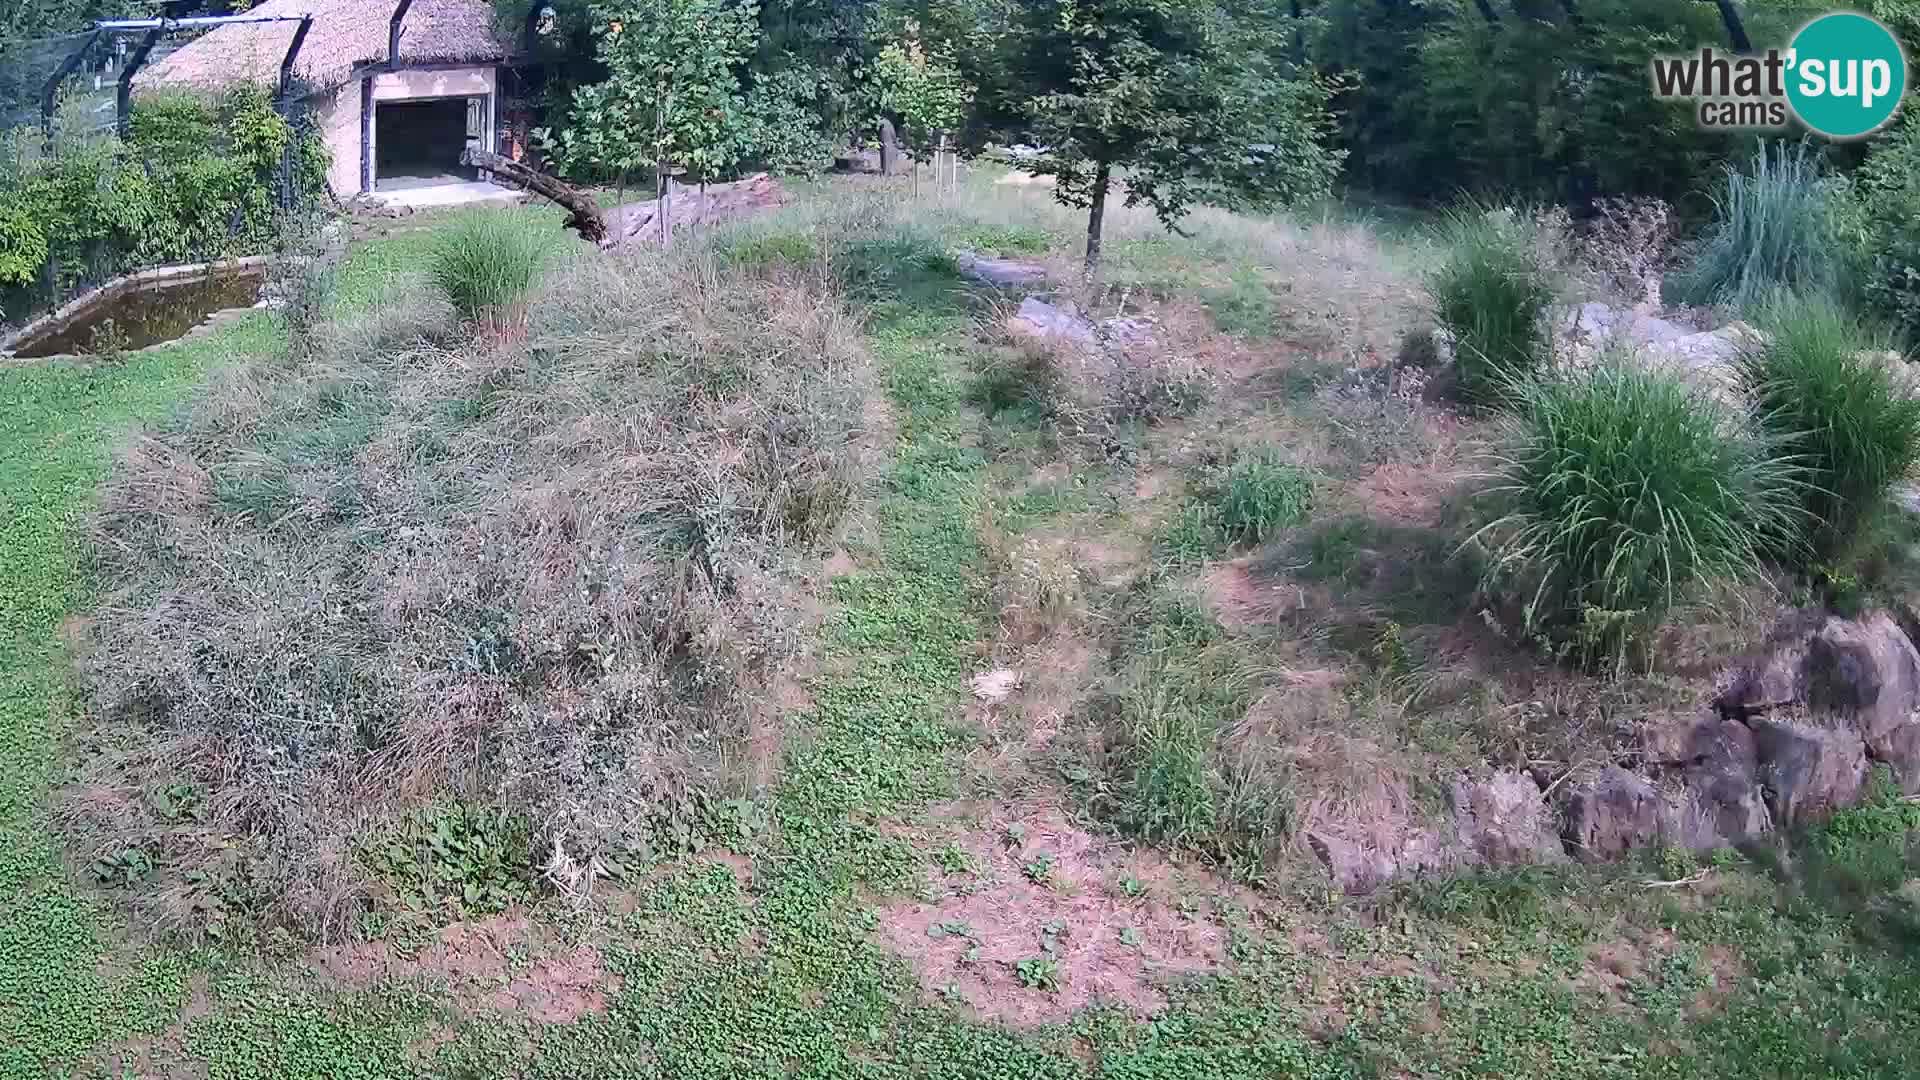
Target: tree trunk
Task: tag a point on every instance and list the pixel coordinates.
(1096, 215)
(889, 148)
(665, 214)
(585, 217)
(1736, 28)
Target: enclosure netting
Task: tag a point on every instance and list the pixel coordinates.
(103, 204)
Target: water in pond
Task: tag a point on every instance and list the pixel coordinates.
(148, 315)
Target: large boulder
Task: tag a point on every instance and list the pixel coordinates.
(1355, 865)
(1611, 814)
(1861, 675)
(1005, 273)
(1503, 821)
(1808, 772)
(1718, 802)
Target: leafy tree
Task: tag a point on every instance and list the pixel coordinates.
(1183, 96)
(672, 96)
(919, 89)
(783, 125)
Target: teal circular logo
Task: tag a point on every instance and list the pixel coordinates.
(1845, 75)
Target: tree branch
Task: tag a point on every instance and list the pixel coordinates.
(584, 217)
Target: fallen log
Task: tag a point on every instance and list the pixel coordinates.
(584, 217)
(693, 204)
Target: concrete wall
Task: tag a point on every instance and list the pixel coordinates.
(339, 119)
(453, 82)
(339, 112)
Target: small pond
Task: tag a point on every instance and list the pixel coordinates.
(137, 316)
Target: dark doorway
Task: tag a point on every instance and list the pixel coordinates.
(419, 142)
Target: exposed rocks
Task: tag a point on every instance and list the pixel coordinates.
(1356, 866)
(1503, 821)
(1808, 772)
(1004, 273)
(1861, 675)
(1702, 357)
(1789, 741)
(1611, 814)
(1719, 803)
(1042, 319)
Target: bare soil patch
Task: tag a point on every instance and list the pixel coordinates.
(505, 964)
(1115, 935)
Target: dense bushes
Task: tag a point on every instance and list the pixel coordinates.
(1491, 292)
(1625, 489)
(1884, 237)
(1539, 104)
(194, 179)
(1622, 492)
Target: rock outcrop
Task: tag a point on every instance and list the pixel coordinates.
(1504, 821)
(1859, 675)
(1611, 814)
(1789, 741)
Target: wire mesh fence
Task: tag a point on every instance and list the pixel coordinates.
(102, 173)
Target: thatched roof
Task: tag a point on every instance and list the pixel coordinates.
(346, 34)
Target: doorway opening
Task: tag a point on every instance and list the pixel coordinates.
(418, 143)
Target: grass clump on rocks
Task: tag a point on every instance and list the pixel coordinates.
(1621, 493)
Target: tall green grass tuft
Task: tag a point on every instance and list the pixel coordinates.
(486, 263)
(1826, 387)
(1492, 292)
(1622, 492)
(1263, 493)
(1773, 228)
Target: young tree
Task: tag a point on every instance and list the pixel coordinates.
(917, 90)
(672, 95)
(1181, 94)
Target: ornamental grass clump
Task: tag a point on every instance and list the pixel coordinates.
(1622, 492)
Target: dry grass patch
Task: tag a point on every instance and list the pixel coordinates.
(552, 583)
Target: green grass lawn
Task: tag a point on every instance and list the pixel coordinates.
(714, 971)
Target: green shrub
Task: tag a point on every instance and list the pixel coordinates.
(1773, 228)
(1869, 848)
(1193, 536)
(1885, 233)
(751, 250)
(1621, 492)
(471, 859)
(1263, 493)
(1827, 390)
(23, 243)
(486, 264)
(1005, 239)
(1492, 293)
